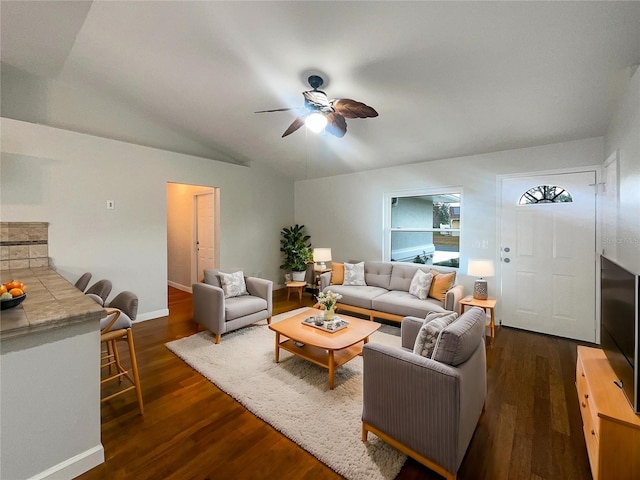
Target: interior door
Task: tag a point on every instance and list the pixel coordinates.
(548, 256)
(204, 233)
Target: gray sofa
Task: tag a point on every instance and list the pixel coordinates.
(428, 408)
(220, 315)
(386, 294)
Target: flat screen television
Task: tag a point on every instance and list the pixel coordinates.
(619, 333)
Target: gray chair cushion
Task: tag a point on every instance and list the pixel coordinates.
(236, 307)
(460, 339)
(211, 277)
(123, 321)
(377, 274)
(127, 302)
(102, 288)
(83, 281)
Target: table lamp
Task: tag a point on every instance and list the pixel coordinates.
(480, 269)
(321, 255)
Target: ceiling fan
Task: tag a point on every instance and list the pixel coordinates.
(319, 112)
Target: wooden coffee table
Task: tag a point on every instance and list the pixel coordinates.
(327, 349)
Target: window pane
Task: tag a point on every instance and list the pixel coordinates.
(447, 249)
(545, 194)
(426, 211)
(406, 246)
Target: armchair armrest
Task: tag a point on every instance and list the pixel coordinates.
(259, 287)
(208, 307)
(409, 329)
(453, 297)
(325, 280)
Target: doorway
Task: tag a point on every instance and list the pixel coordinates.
(193, 232)
(548, 254)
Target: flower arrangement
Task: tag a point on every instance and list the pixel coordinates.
(329, 299)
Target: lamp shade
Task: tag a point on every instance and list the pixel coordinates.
(321, 255)
(481, 268)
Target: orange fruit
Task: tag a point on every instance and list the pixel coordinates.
(16, 292)
(3, 289)
(13, 284)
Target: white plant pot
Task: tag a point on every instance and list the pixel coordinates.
(298, 276)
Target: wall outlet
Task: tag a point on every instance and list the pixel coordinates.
(110, 205)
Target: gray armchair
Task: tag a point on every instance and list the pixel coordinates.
(427, 408)
(221, 315)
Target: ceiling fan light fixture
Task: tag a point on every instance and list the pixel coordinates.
(316, 122)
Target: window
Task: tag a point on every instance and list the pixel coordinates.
(545, 194)
(424, 228)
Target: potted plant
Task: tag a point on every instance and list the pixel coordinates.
(295, 245)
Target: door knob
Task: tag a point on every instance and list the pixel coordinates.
(506, 260)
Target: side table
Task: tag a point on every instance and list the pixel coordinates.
(487, 305)
(299, 286)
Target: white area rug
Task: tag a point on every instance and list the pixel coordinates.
(294, 397)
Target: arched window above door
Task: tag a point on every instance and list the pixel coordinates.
(545, 194)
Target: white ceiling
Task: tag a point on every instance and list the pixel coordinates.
(447, 78)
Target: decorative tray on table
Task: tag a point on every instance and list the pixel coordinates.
(333, 326)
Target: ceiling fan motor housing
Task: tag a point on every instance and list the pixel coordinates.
(315, 81)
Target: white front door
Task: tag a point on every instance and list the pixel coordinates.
(204, 233)
(548, 257)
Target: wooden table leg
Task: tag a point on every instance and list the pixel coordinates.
(332, 368)
(300, 294)
(277, 347)
(493, 324)
(288, 293)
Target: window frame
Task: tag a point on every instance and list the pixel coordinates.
(420, 192)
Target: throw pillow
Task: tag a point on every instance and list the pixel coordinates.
(337, 273)
(441, 284)
(428, 335)
(449, 317)
(233, 284)
(354, 274)
(420, 284)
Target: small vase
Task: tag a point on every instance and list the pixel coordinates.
(329, 314)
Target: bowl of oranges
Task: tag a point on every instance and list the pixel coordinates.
(12, 294)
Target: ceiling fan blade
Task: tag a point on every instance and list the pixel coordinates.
(279, 110)
(352, 109)
(336, 124)
(316, 98)
(297, 123)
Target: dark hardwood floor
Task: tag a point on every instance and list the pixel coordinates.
(531, 428)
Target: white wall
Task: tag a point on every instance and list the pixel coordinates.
(65, 178)
(623, 135)
(50, 397)
(349, 217)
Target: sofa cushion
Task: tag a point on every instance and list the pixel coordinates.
(377, 274)
(354, 274)
(428, 334)
(402, 275)
(405, 304)
(420, 284)
(337, 273)
(358, 296)
(233, 284)
(236, 307)
(211, 277)
(441, 284)
(459, 340)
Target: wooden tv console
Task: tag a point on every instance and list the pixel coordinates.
(611, 428)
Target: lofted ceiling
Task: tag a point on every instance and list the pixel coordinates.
(448, 79)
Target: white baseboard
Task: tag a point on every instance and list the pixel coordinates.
(151, 315)
(74, 466)
(179, 286)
